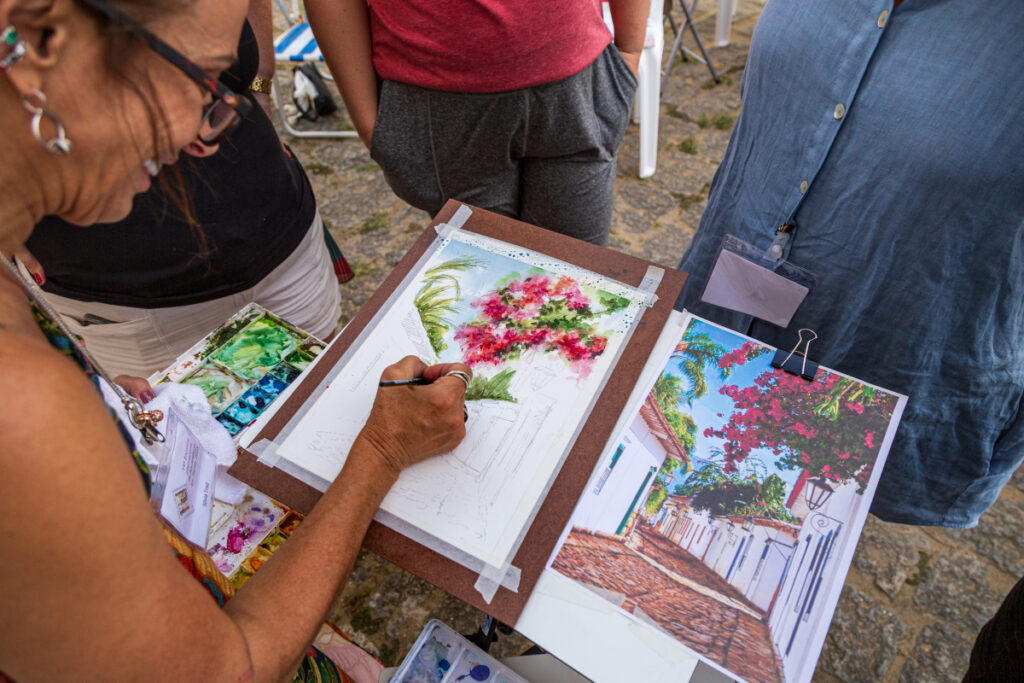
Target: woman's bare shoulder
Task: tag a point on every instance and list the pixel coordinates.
(54, 425)
(33, 374)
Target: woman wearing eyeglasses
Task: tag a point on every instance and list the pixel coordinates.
(140, 297)
(95, 97)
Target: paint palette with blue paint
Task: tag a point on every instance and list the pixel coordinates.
(271, 386)
(240, 366)
(440, 655)
(229, 424)
(256, 400)
(240, 412)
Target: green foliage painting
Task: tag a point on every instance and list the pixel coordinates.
(491, 388)
(655, 500)
(439, 296)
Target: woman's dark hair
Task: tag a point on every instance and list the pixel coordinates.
(121, 46)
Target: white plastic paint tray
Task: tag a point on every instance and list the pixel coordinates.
(440, 655)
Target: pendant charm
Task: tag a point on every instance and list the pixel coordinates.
(145, 421)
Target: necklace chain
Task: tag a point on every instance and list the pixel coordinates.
(143, 420)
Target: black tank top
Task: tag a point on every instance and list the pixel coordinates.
(252, 200)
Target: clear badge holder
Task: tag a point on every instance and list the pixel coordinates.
(182, 484)
(758, 282)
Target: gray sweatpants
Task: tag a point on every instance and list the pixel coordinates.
(543, 154)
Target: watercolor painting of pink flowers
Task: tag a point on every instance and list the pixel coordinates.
(495, 313)
(538, 313)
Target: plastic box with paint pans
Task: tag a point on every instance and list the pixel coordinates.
(440, 655)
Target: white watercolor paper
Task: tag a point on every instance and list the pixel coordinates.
(544, 332)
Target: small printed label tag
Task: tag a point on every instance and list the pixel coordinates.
(742, 285)
(189, 468)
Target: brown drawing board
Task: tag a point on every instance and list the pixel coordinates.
(556, 509)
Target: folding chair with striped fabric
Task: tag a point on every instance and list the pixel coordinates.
(298, 44)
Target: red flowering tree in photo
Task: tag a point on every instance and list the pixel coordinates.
(539, 312)
(831, 427)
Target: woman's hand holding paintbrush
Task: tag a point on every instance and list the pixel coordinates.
(421, 414)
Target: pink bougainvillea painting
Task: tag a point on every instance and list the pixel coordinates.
(495, 313)
(541, 337)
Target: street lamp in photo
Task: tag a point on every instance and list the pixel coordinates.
(748, 524)
(730, 528)
(816, 493)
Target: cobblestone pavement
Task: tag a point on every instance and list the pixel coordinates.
(705, 621)
(915, 597)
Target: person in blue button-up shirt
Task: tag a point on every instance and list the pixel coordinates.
(894, 139)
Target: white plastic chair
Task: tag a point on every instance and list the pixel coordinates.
(723, 21)
(647, 105)
(297, 44)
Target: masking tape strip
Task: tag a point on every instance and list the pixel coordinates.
(492, 577)
(650, 283)
(457, 220)
(266, 452)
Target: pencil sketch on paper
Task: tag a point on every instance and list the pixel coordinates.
(541, 337)
(727, 514)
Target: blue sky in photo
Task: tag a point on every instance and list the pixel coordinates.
(715, 408)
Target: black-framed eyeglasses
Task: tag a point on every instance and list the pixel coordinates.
(220, 116)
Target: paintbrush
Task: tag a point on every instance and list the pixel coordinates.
(402, 382)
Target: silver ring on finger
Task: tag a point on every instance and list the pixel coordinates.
(460, 374)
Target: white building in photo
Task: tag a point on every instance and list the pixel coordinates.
(798, 609)
(625, 481)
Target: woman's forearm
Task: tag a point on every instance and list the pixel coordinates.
(280, 609)
(342, 30)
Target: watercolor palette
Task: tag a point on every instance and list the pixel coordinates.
(244, 536)
(440, 655)
(244, 365)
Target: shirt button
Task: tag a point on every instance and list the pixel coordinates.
(840, 111)
(882, 18)
(803, 187)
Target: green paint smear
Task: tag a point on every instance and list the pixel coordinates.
(258, 347)
(220, 387)
(491, 388)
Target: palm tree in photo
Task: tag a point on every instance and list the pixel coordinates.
(439, 296)
(695, 352)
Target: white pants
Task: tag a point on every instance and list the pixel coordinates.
(303, 290)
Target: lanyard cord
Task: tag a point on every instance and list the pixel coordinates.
(142, 419)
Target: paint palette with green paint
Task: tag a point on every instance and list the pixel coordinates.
(258, 347)
(220, 385)
(252, 351)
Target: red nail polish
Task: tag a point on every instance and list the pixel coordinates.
(147, 396)
(38, 278)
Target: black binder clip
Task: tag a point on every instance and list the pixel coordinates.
(797, 362)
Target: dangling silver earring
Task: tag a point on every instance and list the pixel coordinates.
(10, 39)
(59, 145)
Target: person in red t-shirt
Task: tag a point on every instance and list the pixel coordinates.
(517, 107)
